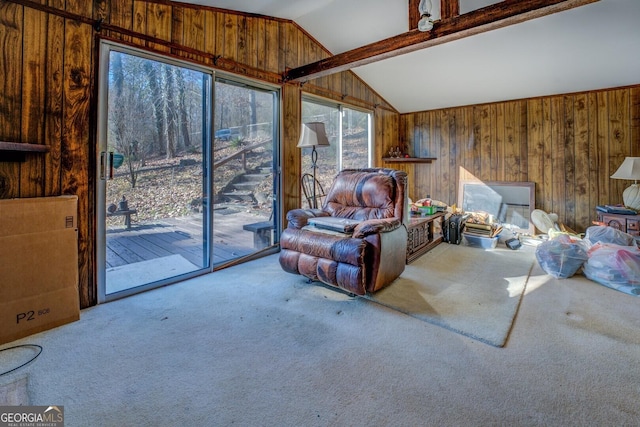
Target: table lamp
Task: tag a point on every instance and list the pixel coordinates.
(313, 135)
(630, 170)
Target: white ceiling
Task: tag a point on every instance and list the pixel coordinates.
(590, 47)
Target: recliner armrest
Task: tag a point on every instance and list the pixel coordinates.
(374, 226)
(297, 218)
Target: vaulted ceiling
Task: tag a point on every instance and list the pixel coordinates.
(593, 46)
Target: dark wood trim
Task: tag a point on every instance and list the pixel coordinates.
(449, 9)
(482, 20)
(414, 14)
(351, 100)
(214, 61)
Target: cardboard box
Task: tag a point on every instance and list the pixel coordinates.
(38, 265)
(37, 313)
(35, 215)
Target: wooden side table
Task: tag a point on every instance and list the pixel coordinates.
(423, 235)
(628, 223)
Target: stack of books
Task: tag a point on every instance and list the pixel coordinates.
(616, 209)
(482, 229)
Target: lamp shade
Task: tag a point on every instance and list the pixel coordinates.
(630, 169)
(313, 135)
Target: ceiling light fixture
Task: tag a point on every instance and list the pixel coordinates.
(425, 23)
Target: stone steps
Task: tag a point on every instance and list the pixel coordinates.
(243, 187)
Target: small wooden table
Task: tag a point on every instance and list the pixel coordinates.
(261, 233)
(422, 234)
(127, 216)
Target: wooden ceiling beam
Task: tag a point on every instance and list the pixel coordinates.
(498, 15)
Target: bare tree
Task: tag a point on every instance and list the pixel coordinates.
(184, 117)
(117, 120)
(154, 81)
(170, 111)
(254, 113)
(128, 112)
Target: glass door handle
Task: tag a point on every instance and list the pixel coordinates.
(106, 165)
(110, 165)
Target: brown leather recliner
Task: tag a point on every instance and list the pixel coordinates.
(369, 258)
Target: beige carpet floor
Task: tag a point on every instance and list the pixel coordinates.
(254, 346)
(13, 391)
(471, 291)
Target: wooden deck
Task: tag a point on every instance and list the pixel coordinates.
(181, 236)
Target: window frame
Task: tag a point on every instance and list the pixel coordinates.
(340, 106)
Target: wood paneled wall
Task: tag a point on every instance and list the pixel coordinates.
(568, 145)
(48, 95)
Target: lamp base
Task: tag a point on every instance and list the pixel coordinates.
(631, 197)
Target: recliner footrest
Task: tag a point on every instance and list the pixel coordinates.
(322, 245)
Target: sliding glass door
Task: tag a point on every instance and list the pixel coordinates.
(244, 169)
(186, 170)
(153, 162)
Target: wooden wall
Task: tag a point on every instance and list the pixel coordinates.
(48, 67)
(568, 145)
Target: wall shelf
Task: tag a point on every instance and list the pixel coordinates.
(15, 151)
(408, 159)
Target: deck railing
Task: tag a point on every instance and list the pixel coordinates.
(242, 153)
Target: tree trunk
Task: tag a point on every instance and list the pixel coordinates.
(158, 103)
(170, 111)
(254, 114)
(118, 102)
(184, 117)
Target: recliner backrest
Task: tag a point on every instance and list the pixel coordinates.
(367, 194)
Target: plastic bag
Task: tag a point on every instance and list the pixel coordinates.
(562, 256)
(614, 266)
(605, 234)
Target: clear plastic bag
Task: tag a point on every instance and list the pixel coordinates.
(605, 234)
(562, 256)
(614, 266)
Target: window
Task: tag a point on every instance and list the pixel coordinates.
(349, 133)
